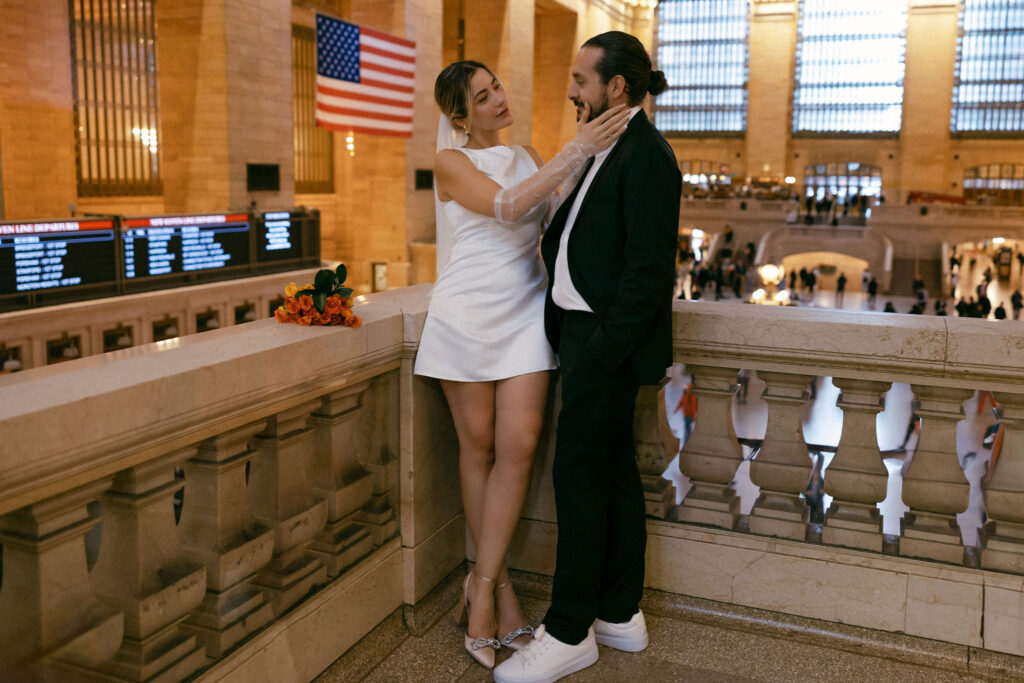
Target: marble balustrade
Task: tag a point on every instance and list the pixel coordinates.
(200, 506)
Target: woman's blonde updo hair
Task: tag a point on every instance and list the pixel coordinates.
(452, 91)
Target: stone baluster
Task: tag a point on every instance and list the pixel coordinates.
(381, 459)
(339, 478)
(283, 499)
(1004, 532)
(857, 478)
(219, 531)
(934, 486)
(49, 615)
(712, 454)
(143, 571)
(782, 467)
(659, 493)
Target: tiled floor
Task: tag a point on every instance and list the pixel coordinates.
(681, 650)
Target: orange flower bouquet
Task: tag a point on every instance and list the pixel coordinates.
(325, 302)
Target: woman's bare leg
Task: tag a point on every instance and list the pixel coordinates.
(519, 416)
(472, 407)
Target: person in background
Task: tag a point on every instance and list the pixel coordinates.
(688, 404)
(1016, 302)
(840, 289)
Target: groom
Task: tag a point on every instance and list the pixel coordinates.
(610, 256)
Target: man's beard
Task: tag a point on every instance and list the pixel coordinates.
(595, 110)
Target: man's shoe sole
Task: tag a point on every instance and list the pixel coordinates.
(570, 668)
(623, 643)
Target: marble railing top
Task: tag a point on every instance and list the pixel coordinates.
(76, 422)
(944, 351)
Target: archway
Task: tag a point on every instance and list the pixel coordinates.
(829, 265)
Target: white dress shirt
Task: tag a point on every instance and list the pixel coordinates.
(563, 293)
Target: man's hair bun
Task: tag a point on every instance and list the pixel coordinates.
(658, 83)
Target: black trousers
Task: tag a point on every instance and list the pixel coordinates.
(602, 532)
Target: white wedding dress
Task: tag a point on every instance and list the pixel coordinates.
(485, 321)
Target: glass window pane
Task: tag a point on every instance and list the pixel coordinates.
(702, 48)
(988, 89)
(849, 66)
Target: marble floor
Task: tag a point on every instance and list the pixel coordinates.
(688, 643)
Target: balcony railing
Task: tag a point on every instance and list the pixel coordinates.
(245, 504)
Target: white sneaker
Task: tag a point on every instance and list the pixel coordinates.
(630, 636)
(545, 659)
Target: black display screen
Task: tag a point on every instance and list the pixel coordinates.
(280, 238)
(164, 245)
(36, 256)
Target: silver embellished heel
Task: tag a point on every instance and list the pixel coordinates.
(509, 639)
(480, 649)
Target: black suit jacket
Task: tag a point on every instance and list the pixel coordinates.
(622, 253)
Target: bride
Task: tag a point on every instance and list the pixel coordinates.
(484, 334)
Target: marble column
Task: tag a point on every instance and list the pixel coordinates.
(282, 498)
(712, 454)
(782, 467)
(142, 570)
(219, 531)
(1003, 534)
(47, 605)
(934, 486)
(857, 478)
(339, 478)
(652, 460)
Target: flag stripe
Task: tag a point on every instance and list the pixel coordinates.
(344, 89)
(402, 42)
(370, 50)
(364, 122)
(362, 112)
(354, 102)
(365, 79)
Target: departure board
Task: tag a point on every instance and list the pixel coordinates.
(35, 256)
(280, 237)
(164, 245)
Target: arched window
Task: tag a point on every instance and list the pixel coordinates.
(849, 67)
(842, 180)
(704, 178)
(702, 48)
(988, 87)
(995, 184)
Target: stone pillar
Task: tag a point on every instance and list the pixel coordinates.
(47, 605)
(934, 486)
(337, 477)
(1003, 535)
(283, 499)
(770, 93)
(857, 478)
(218, 530)
(142, 570)
(213, 56)
(659, 493)
(782, 467)
(712, 455)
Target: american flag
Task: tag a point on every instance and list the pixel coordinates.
(364, 79)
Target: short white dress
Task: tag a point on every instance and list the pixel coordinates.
(485, 320)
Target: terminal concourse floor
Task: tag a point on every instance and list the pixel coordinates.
(424, 645)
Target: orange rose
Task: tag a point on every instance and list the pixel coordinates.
(324, 318)
(291, 304)
(306, 303)
(335, 319)
(305, 320)
(334, 304)
(354, 321)
(281, 314)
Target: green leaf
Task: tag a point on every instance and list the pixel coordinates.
(344, 292)
(324, 281)
(319, 300)
(342, 273)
